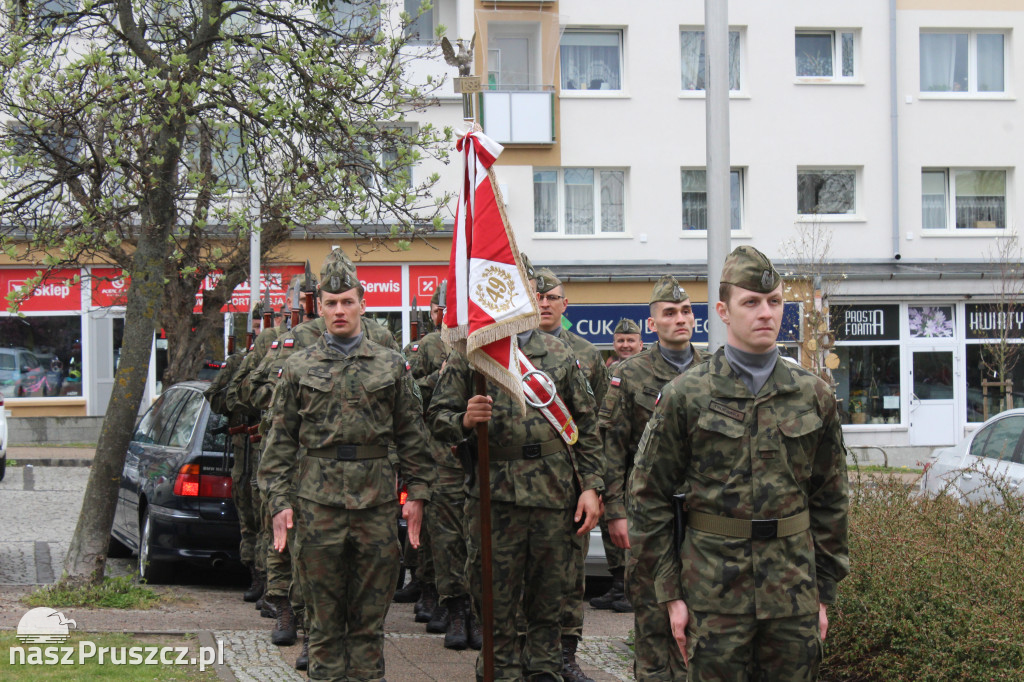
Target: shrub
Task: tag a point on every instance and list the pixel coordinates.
(936, 589)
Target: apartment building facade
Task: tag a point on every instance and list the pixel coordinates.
(889, 129)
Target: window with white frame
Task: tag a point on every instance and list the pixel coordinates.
(826, 191)
(695, 199)
(692, 59)
(969, 62)
(825, 54)
(356, 19)
(591, 59)
(963, 199)
(420, 30)
(579, 201)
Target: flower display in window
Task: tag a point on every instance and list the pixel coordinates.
(931, 322)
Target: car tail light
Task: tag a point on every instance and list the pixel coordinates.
(191, 483)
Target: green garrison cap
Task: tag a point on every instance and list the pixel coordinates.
(668, 289)
(338, 273)
(440, 293)
(527, 265)
(748, 268)
(546, 280)
(626, 326)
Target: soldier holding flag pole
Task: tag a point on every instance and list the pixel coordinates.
(540, 448)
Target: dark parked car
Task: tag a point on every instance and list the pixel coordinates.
(174, 503)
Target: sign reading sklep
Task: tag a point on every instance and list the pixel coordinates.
(43, 631)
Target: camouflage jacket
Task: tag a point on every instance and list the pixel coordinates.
(733, 454)
(240, 389)
(591, 363)
(217, 391)
(324, 399)
(635, 384)
(263, 377)
(545, 482)
(426, 357)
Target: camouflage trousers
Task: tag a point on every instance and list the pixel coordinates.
(737, 648)
(656, 654)
(575, 586)
(531, 552)
(242, 496)
(348, 562)
(281, 580)
(445, 518)
(616, 556)
(421, 560)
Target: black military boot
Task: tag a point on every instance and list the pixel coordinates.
(427, 603)
(571, 671)
(256, 587)
(622, 605)
(302, 662)
(476, 633)
(410, 592)
(438, 622)
(284, 633)
(456, 635)
(617, 592)
(266, 608)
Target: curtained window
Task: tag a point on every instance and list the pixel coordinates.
(579, 201)
(978, 199)
(591, 60)
(695, 199)
(693, 60)
(964, 62)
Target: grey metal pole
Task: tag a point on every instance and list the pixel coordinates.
(254, 268)
(716, 47)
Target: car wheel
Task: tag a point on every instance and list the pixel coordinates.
(3, 466)
(150, 571)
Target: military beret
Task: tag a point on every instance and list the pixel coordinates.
(668, 289)
(546, 280)
(338, 273)
(626, 326)
(748, 268)
(440, 294)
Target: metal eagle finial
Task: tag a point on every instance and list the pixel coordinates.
(464, 59)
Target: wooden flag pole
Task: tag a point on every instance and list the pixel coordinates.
(486, 575)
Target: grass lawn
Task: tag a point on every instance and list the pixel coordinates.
(91, 669)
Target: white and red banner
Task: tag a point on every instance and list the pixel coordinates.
(59, 290)
(489, 295)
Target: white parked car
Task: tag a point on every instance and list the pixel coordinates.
(984, 464)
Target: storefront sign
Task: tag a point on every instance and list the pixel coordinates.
(109, 287)
(994, 321)
(383, 285)
(277, 279)
(865, 322)
(424, 281)
(58, 291)
(595, 323)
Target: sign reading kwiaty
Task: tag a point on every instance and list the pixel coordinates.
(994, 321)
(58, 291)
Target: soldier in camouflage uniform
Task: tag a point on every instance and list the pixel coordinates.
(238, 399)
(445, 515)
(626, 341)
(635, 385)
(337, 407)
(534, 500)
(283, 589)
(552, 302)
(241, 489)
(755, 444)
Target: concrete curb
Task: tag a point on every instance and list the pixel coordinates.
(49, 462)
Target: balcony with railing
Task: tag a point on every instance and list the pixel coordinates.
(519, 115)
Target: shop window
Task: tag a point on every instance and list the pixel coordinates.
(868, 384)
(982, 363)
(40, 356)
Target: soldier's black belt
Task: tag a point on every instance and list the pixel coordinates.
(757, 529)
(349, 452)
(530, 451)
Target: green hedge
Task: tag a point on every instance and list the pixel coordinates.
(936, 589)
